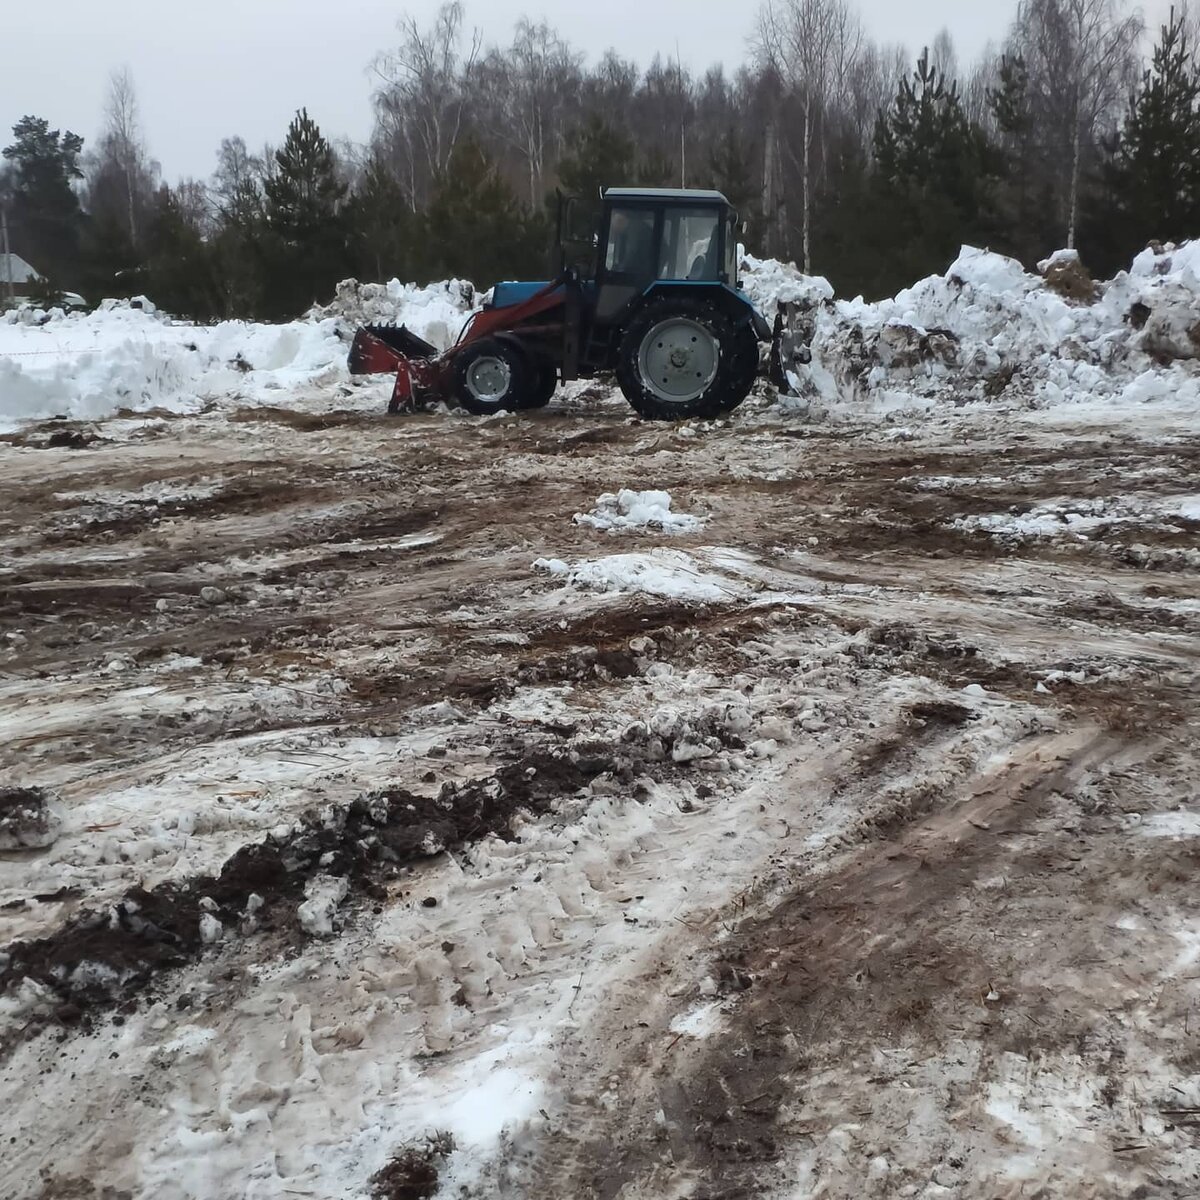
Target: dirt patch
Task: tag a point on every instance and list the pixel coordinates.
(53, 436)
(100, 959)
(425, 687)
(1109, 610)
(413, 1173)
(308, 422)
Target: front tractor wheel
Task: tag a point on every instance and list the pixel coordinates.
(490, 377)
(682, 358)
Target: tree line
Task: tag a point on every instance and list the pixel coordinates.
(840, 154)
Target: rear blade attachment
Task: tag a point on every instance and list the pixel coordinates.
(791, 342)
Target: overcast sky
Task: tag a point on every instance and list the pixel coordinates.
(209, 70)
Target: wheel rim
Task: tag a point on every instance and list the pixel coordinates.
(678, 360)
(489, 378)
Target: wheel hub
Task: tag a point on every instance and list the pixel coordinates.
(489, 378)
(678, 360)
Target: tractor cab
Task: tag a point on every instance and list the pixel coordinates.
(651, 234)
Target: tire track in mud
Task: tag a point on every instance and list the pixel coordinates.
(857, 958)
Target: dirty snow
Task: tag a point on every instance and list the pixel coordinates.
(626, 510)
(817, 796)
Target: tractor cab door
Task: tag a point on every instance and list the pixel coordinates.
(628, 257)
(644, 244)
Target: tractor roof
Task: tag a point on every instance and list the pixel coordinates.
(675, 195)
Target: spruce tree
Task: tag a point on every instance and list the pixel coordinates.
(379, 224)
(598, 156)
(932, 178)
(732, 172)
(475, 227)
(1153, 169)
(306, 243)
(180, 267)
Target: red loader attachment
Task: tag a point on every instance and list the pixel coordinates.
(388, 349)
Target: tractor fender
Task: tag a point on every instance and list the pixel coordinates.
(733, 303)
(518, 343)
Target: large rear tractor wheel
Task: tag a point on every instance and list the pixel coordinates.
(682, 358)
(491, 376)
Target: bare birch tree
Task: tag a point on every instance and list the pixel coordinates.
(814, 45)
(123, 152)
(420, 102)
(531, 91)
(1082, 57)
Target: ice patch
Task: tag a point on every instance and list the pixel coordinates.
(670, 574)
(700, 1022)
(1170, 825)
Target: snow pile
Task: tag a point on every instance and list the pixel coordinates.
(987, 328)
(323, 896)
(436, 313)
(768, 283)
(89, 366)
(626, 510)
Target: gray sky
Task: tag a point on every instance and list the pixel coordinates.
(209, 70)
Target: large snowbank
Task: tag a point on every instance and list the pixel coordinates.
(988, 328)
(88, 366)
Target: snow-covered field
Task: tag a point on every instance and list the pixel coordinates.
(801, 805)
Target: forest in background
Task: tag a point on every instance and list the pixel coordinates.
(856, 160)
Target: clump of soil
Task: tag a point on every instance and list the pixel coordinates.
(29, 819)
(941, 712)
(102, 958)
(1072, 280)
(413, 1173)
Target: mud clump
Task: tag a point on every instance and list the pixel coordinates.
(102, 958)
(1071, 280)
(30, 819)
(413, 1173)
(941, 712)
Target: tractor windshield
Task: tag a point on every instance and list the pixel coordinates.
(691, 245)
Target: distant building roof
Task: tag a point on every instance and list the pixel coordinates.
(13, 267)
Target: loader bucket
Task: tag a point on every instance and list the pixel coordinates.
(380, 349)
(791, 341)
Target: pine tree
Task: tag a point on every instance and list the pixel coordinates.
(931, 182)
(306, 242)
(46, 216)
(1153, 169)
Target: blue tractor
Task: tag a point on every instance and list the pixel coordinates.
(656, 302)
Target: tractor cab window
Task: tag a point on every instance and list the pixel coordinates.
(631, 242)
(691, 247)
(731, 251)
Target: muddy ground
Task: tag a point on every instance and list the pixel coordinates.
(845, 847)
